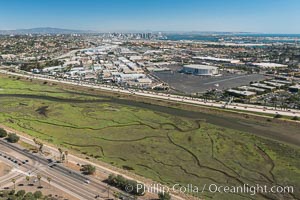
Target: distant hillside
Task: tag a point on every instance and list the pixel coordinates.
(43, 30)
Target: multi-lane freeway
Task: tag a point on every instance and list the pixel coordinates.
(68, 180)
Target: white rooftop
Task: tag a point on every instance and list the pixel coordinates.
(244, 93)
(295, 87)
(200, 66)
(269, 65)
(260, 85)
(215, 59)
(251, 88)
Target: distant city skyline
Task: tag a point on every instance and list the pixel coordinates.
(262, 16)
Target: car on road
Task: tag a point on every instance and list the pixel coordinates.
(87, 181)
(52, 165)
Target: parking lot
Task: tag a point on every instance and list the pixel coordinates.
(188, 83)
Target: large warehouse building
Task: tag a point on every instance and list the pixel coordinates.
(201, 70)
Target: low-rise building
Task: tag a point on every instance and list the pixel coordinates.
(239, 93)
(263, 86)
(253, 89)
(201, 70)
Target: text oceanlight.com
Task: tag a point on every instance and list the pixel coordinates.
(212, 188)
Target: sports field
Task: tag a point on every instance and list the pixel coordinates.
(155, 143)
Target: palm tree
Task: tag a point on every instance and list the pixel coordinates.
(66, 154)
(41, 147)
(27, 179)
(39, 177)
(14, 182)
(49, 180)
(60, 152)
(35, 142)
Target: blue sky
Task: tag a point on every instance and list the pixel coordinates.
(268, 16)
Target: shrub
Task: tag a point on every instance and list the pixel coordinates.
(12, 197)
(20, 193)
(164, 196)
(278, 116)
(295, 118)
(4, 194)
(12, 192)
(129, 186)
(29, 196)
(88, 169)
(38, 194)
(3, 133)
(13, 138)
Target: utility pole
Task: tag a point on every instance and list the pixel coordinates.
(108, 188)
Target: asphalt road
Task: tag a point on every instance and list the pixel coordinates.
(65, 179)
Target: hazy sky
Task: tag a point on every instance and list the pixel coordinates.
(270, 16)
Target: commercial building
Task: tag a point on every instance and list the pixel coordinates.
(238, 93)
(201, 70)
(263, 86)
(253, 89)
(269, 65)
(209, 58)
(277, 85)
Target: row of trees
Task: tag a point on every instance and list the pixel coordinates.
(132, 187)
(129, 186)
(21, 195)
(164, 196)
(10, 137)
